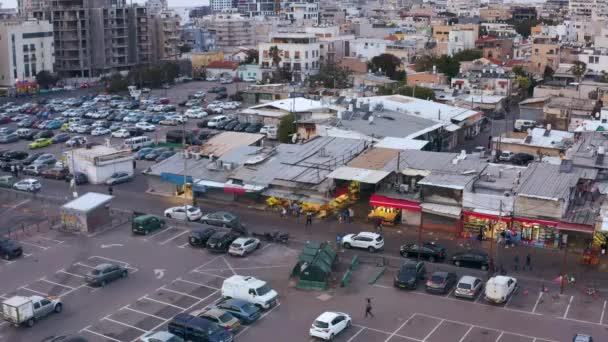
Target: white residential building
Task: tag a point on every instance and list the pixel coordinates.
(299, 52)
(588, 8)
(26, 47)
(220, 5)
(303, 12)
(596, 59)
(368, 48)
(460, 40)
(333, 46)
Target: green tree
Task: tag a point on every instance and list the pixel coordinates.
(468, 55)
(518, 70)
(332, 75)
(578, 69)
(417, 92)
(286, 128)
(275, 55)
(46, 79)
(185, 48)
(448, 65)
(117, 83)
(253, 56)
(387, 63)
(382, 90)
(424, 63)
(524, 83)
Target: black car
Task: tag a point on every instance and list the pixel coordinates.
(9, 249)
(203, 123)
(221, 96)
(410, 274)
(193, 328)
(218, 90)
(241, 127)
(474, 259)
(135, 131)
(44, 134)
(80, 178)
(30, 159)
(223, 124)
(199, 237)
(429, 251)
(15, 155)
(522, 159)
(221, 241)
(254, 128)
(61, 137)
(231, 125)
(441, 282)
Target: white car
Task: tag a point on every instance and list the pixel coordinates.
(76, 140)
(468, 287)
(160, 336)
(199, 94)
(243, 246)
(499, 289)
(211, 79)
(101, 131)
(195, 113)
(121, 133)
(188, 213)
(365, 240)
(28, 184)
(145, 126)
(329, 324)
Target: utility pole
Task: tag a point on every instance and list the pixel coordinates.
(564, 264)
(185, 164)
(73, 182)
(420, 235)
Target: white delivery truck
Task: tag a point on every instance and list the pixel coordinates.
(250, 289)
(21, 310)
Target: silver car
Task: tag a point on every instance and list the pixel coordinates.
(243, 246)
(468, 287)
(105, 273)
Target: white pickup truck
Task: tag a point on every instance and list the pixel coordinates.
(21, 310)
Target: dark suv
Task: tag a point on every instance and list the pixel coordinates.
(475, 259)
(196, 329)
(430, 251)
(221, 241)
(199, 237)
(410, 274)
(9, 249)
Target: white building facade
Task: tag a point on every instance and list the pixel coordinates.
(460, 40)
(367, 48)
(298, 52)
(26, 48)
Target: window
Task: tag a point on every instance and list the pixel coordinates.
(45, 302)
(305, 54)
(297, 55)
(27, 70)
(36, 306)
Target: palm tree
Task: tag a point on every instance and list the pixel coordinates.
(578, 69)
(275, 55)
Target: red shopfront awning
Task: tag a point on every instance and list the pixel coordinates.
(230, 190)
(583, 228)
(383, 201)
(459, 82)
(487, 216)
(537, 221)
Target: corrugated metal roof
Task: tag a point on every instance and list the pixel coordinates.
(374, 159)
(359, 175)
(88, 202)
(401, 143)
(227, 141)
(543, 180)
(437, 161)
(447, 180)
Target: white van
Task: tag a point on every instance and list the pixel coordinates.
(217, 120)
(138, 142)
(270, 131)
(250, 289)
(523, 125)
(499, 288)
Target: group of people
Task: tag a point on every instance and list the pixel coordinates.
(292, 209)
(346, 215)
(15, 169)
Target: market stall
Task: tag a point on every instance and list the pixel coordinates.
(539, 233)
(491, 225)
(391, 210)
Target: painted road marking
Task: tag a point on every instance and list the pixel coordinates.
(72, 274)
(466, 334)
(229, 266)
(184, 245)
(38, 292)
(52, 240)
(401, 326)
(568, 307)
(84, 265)
(210, 274)
(175, 237)
(161, 302)
(163, 288)
(159, 232)
(124, 324)
(207, 263)
(253, 268)
(261, 317)
(540, 295)
(54, 283)
(99, 334)
(126, 264)
(126, 307)
(33, 244)
(355, 335)
(434, 329)
(500, 336)
(195, 283)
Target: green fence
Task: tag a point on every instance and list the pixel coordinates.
(354, 263)
(377, 275)
(346, 278)
(312, 285)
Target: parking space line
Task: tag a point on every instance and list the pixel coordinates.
(126, 307)
(603, 312)
(33, 244)
(159, 232)
(250, 268)
(3, 296)
(450, 292)
(568, 307)
(209, 274)
(99, 334)
(124, 324)
(434, 329)
(8, 262)
(83, 265)
(161, 302)
(540, 295)
(54, 283)
(72, 274)
(207, 263)
(27, 254)
(180, 293)
(195, 283)
(500, 336)
(38, 292)
(174, 237)
(466, 334)
(229, 266)
(581, 321)
(184, 245)
(126, 264)
(261, 317)
(52, 240)
(355, 335)
(267, 245)
(397, 330)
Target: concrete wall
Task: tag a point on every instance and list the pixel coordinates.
(531, 207)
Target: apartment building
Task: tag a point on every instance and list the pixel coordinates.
(368, 48)
(596, 59)
(464, 37)
(198, 38)
(301, 11)
(220, 5)
(165, 36)
(254, 8)
(494, 13)
(231, 31)
(26, 8)
(545, 53)
(588, 8)
(333, 46)
(299, 52)
(28, 49)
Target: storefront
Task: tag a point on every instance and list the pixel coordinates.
(490, 225)
(538, 233)
(394, 211)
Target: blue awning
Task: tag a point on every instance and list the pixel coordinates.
(175, 179)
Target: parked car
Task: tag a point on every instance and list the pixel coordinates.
(231, 125)
(25, 311)
(219, 317)
(61, 137)
(160, 336)
(164, 155)
(28, 184)
(76, 141)
(145, 224)
(9, 138)
(46, 159)
(254, 128)
(43, 134)
(193, 328)
(246, 312)
(505, 156)
(55, 173)
(329, 324)
(221, 218)
(522, 158)
(143, 152)
(155, 153)
(199, 237)
(221, 241)
(186, 213)
(119, 177)
(429, 251)
(365, 240)
(14, 155)
(145, 126)
(499, 288)
(474, 259)
(241, 127)
(7, 181)
(100, 131)
(582, 338)
(468, 287)
(441, 282)
(10, 249)
(79, 178)
(39, 143)
(102, 274)
(31, 158)
(409, 275)
(243, 246)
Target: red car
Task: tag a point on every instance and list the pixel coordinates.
(5, 120)
(55, 173)
(84, 85)
(163, 101)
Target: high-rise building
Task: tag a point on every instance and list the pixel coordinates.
(27, 7)
(231, 31)
(254, 8)
(156, 6)
(165, 35)
(27, 48)
(220, 5)
(587, 8)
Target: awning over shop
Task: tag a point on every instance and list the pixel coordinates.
(537, 221)
(487, 216)
(357, 174)
(383, 201)
(441, 210)
(286, 194)
(175, 178)
(573, 227)
(202, 185)
(452, 128)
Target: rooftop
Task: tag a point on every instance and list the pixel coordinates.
(225, 142)
(413, 162)
(88, 202)
(388, 123)
(401, 143)
(448, 180)
(540, 137)
(376, 159)
(297, 104)
(222, 65)
(584, 153)
(546, 181)
(573, 103)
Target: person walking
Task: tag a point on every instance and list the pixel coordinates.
(110, 190)
(528, 262)
(297, 213)
(308, 218)
(351, 215)
(368, 308)
(378, 225)
(283, 212)
(516, 262)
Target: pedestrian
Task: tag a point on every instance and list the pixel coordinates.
(283, 212)
(297, 212)
(308, 218)
(378, 225)
(351, 215)
(134, 164)
(528, 262)
(516, 262)
(16, 170)
(368, 308)
(110, 190)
